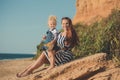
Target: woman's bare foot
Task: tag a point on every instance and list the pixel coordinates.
(23, 74)
(18, 75)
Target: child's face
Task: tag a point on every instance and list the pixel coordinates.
(51, 24)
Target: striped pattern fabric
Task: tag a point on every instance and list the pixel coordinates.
(61, 56)
(60, 41)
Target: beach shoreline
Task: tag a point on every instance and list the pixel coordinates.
(16, 59)
(12, 56)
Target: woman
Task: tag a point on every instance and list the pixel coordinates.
(66, 41)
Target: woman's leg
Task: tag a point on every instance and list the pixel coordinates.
(39, 62)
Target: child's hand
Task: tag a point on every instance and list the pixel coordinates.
(44, 37)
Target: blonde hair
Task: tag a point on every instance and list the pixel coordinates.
(52, 18)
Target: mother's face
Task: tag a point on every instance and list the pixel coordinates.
(65, 24)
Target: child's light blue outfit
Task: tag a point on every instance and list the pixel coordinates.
(51, 34)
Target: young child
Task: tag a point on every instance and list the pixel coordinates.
(50, 40)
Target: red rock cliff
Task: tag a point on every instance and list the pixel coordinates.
(89, 11)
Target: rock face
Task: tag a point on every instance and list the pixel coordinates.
(95, 67)
(89, 11)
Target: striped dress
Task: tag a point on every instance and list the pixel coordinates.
(62, 55)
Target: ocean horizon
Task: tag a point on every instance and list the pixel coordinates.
(11, 56)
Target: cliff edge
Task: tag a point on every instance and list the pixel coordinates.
(89, 11)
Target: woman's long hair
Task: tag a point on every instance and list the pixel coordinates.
(72, 37)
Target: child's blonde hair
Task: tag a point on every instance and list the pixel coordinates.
(52, 18)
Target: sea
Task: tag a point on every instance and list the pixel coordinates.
(10, 56)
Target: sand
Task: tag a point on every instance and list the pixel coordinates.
(9, 68)
(94, 67)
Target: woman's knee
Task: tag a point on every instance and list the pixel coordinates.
(42, 56)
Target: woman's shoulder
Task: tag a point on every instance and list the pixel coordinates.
(63, 33)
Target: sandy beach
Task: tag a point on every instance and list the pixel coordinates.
(94, 67)
(9, 68)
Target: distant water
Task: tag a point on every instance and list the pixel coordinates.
(4, 56)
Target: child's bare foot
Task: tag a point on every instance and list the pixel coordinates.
(48, 69)
(51, 67)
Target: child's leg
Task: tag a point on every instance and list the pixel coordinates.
(51, 54)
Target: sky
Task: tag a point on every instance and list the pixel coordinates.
(23, 22)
